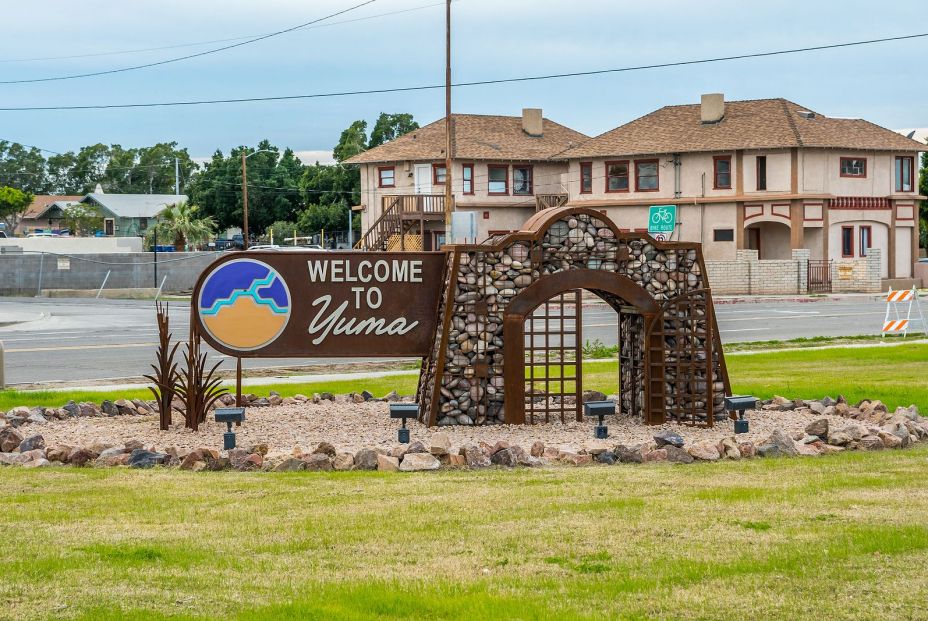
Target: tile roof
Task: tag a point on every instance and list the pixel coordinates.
(42, 202)
(752, 124)
(476, 137)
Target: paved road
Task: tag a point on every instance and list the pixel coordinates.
(79, 340)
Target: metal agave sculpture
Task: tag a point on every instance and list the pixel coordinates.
(165, 371)
(197, 386)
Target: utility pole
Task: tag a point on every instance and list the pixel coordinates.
(177, 176)
(244, 202)
(449, 196)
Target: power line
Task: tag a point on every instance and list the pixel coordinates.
(198, 43)
(403, 89)
(189, 56)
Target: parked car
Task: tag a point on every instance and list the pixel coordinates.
(41, 234)
(3, 235)
(238, 242)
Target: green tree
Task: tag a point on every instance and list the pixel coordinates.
(390, 127)
(282, 229)
(184, 224)
(22, 167)
(82, 219)
(352, 141)
(318, 217)
(13, 204)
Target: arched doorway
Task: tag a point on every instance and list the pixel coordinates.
(636, 310)
(771, 240)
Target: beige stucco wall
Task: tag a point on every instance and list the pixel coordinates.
(820, 171)
(778, 171)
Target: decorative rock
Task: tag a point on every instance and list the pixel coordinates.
(344, 461)
(656, 455)
(575, 459)
(818, 428)
(291, 464)
(748, 450)
(413, 462)
(318, 462)
(387, 463)
(366, 459)
(538, 448)
(324, 448)
(81, 456)
(630, 454)
(414, 447)
(671, 438)
(593, 395)
(704, 451)
(441, 444)
(784, 444)
(606, 457)
(11, 459)
(37, 419)
(504, 457)
(678, 455)
(37, 463)
(596, 447)
(871, 443)
(141, 458)
(32, 443)
(729, 449)
(59, 452)
(10, 439)
(474, 456)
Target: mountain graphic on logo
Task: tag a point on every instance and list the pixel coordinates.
(244, 304)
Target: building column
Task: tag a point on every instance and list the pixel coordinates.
(826, 226)
(915, 234)
(891, 246)
(739, 226)
(796, 222)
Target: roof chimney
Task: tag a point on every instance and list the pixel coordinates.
(532, 121)
(98, 189)
(712, 107)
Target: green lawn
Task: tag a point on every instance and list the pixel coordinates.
(895, 375)
(840, 537)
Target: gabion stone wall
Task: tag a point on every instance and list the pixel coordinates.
(463, 381)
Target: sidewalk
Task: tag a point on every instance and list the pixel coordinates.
(12, 318)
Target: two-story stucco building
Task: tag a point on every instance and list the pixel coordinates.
(504, 168)
(765, 174)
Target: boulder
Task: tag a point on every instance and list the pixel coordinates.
(440, 444)
(10, 439)
(31, 443)
(414, 462)
(318, 462)
(343, 462)
(474, 456)
(729, 448)
(704, 451)
(41, 462)
(80, 456)
(818, 428)
(670, 438)
(871, 443)
(290, 464)
(324, 448)
(113, 459)
(575, 459)
(890, 440)
(366, 459)
(72, 409)
(783, 443)
(677, 455)
(109, 408)
(11, 459)
(538, 448)
(606, 457)
(37, 419)
(387, 463)
(595, 447)
(748, 450)
(593, 395)
(140, 458)
(110, 452)
(58, 452)
(191, 459)
(656, 455)
(629, 454)
(504, 457)
(415, 447)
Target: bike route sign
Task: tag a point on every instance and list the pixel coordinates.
(662, 219)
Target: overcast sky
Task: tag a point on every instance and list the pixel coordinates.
(492, 39)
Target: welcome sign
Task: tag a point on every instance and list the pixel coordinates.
(320, 304)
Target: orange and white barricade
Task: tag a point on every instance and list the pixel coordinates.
(895, 322)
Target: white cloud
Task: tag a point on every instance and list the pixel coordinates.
(311, 157)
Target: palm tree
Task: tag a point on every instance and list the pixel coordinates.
(183, 224)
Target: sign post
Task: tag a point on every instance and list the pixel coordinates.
(662, 219)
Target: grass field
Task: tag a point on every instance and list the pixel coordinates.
(840, 537)
(895, 375)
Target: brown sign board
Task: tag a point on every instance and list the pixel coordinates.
(292, 304)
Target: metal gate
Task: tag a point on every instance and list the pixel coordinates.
(553, 359)
(819, 276)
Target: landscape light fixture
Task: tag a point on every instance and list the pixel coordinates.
(403, 411)
(740, 403)
(229, 416)
(599, 409)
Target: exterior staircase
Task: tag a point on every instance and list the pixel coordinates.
(401, 225)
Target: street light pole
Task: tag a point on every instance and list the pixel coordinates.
(449, 196)
(244, 202)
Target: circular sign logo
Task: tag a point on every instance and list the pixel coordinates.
(244, 304)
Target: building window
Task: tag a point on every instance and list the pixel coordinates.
(143, 224)
(467, 178)
(498, 180)
(904, 167)
(522, 180)
(439, 174)
(847, 241)
(646, 179)
(853, 167)
(586, 177)
(723, 235)
(721, 172)
(386, 177)
(616, 176)
(866, 239)
(761, 172)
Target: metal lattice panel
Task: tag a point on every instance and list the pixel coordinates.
(553, 359)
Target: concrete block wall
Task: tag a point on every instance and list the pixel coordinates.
(25, 273)
(857, 275)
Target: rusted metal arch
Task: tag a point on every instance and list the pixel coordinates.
(544, 289)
